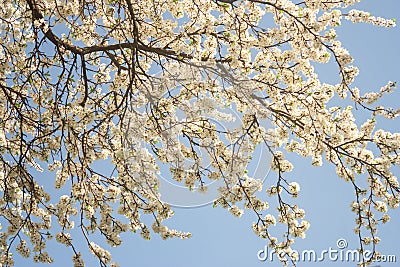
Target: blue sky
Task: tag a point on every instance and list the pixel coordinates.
(220, 239)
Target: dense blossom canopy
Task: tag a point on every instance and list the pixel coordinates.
(142, 84)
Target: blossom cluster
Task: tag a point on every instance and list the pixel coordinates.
(146, 85)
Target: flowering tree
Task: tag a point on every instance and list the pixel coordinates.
(143, 84)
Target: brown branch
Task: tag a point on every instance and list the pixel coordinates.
(136, 44)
